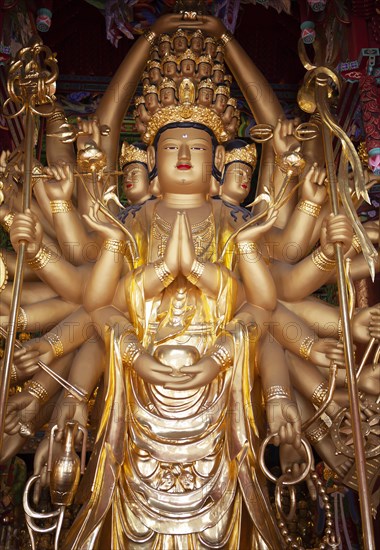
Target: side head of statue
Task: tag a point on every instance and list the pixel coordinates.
(240, 162)
(186, 133)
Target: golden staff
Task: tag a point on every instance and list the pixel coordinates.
(31, 82)
(317, 90)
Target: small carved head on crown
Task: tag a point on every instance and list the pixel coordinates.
(185, 85)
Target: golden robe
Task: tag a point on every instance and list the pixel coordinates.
(170, 469)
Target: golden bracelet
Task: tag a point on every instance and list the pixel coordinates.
(309, 208)
(317, 434)
(226, 38)
(222, 356)
(60, 206)
(277, 392)
(41, 259)
(340, 329)
(115, 246)
(13, 375)
(22, 320)
(305, 347)
(163, 273)
(247, 247)
(8, 220)
(56, 343)
(150, 36)
(319, 394)
(196, 272)
(57, 115)
(321, 261)
(37, 390)
(132, 351)
(356, 244)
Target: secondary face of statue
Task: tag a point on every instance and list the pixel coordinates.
(237, 182)
(135, 182)
(184, 160)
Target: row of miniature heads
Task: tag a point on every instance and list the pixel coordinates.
(181, 40)
(239, 164)
(186, 65)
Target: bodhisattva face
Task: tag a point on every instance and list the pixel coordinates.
(205, 96)
(184, 159)
(135, 182)
(155, 75)
(220, 103)
(170, 69)
(196, 44)
(237, 182)
(180, 44)
(151, 101)
(167, 97)
(164, 48)
(204, 70)
(187, 67)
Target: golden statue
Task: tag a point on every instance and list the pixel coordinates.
(179, 302)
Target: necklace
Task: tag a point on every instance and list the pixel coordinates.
(203, 234)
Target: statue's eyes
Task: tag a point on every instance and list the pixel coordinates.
(197, 148)
(171, 147)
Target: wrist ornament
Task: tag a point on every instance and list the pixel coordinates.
(113, 245)
(292, 161)
(277, 392)
(321, 261)
(221, 356)
(196, 272)
(56, 343)
(319, 394)
(163, 273)
(8, 220)
(22, 320)
(150, 36)
(356, 244)
(37, 390)
(305, 347)
(340, 329)
(132, 351)
(247, 247)
(13, 375)
(316, 435)
(60, 206)
(226, 37)
(56, 116)
(41, 259)
(309, 208)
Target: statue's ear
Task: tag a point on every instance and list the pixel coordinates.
(220, 155)
(151, 154)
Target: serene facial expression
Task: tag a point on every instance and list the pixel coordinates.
(135, 182)
(220, 103)
(180, 44)
(170, 69)
(151, 101)
(217, 76)
(196, 44)
(155, 75)
(167, 96)
(187, 67)
(211, 49)
(204, 69)
(184, 161)
(164, 48)
(205, 96)
(237, 182)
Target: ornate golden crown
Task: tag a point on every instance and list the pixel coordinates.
(130, 153)
(187, 108)
(247, 154)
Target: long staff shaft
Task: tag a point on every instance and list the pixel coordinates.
(18, 277)
(360, 462)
